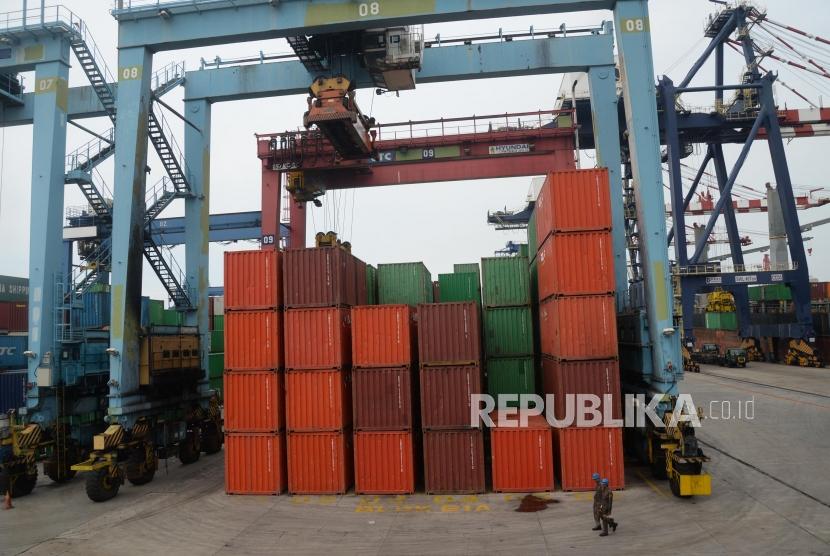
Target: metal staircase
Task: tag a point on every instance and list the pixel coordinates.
(93, 65)
(167, 78)
(309, 58)
(168, 272)
(94, 189)
(168, 151)
(159, 197)
(90, 272)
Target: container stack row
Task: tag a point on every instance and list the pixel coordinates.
(577, 319)
(384, 386)
(255, 442)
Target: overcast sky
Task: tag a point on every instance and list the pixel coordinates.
(443, 223)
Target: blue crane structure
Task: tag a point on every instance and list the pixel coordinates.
(40, 40)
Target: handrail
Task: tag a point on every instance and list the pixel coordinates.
(166, 74)
(175, 150)
(88, 150)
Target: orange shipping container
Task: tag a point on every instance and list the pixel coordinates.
(253, 340)
(576, 263)
(253, 279)
(579, 327)
(255, 463)
(522, 457)
(384, 462)
(580, 452)
(572, 201)
(253, 401)
(317, 338)
(320, 462)
(383, 336)
(319, 400)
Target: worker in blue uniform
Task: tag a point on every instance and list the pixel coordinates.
(605, 504)
(597, 492)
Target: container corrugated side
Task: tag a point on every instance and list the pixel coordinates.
(254, 401)
(579, 327)
(318, 338)
(384, 462)
(383, 399)
(579, 452)
(576, 263)
(320, 277)
(361, 290)
(318, 400)
(505, 281)
(12, 350)
(13, 389)
(216, 365)
(371, 285)
(459, 286)
(320, 462)
(573, 201)
(597, 377)
(14, 316)
(253, 279)
(255, 463)
(217, 341)
(445, 396)
(508, 331)
(253, 340)
(408, 283)
(454, 462)
(383, 336)
(511, 375)
(522, 457)
(532, 241)
(449, 333)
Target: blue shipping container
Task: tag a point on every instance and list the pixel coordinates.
(12, 390)
(11, 352)
(95, 312)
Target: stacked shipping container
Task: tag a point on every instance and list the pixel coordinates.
(253, 379)
(216, 359)
(407, 283)
(577, 318)
(449, 349)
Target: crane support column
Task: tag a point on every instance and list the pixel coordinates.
(297, 223)
(631, 24)
(603, 85)
(133, 105)
(197, 218)
(271, 204)
(46, 227)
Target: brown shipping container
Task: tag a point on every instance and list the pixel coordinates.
(573, 201)
(384, 462)
(317, 338)
(319, 400)
(14, 316)
(5, 315)
(579, 327)
(383, 398)
(579, 452)
(320, 462)
(597, 377)
(454, 461)
(253, 340)
(449, 333)
(445, 396)
(576, 263)
(254, 401)
(522, 457)
(819, 291)
(383, 336)
(320, 277)
(253, 279)
(255, 463)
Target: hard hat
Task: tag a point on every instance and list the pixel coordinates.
(595, 476)
(604, 482)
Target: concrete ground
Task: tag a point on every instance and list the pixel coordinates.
(771, 495)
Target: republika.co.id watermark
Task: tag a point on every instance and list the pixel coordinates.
(590, 410)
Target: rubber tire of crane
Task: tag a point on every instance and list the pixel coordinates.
(211, 440)
(56, 476)
(135, 474)
(189, 451)
(658, 466)
(100, 487)
(23, 485)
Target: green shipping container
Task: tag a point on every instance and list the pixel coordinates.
(216, 365)
(523, 250)
(777, 292)
(510, 375)
(405, 283)
(467, 267)
(217, 341)
(459, 286)
(756, 293)
(534, 283)
(219, 322)
(508, 331)
(721, 321)
(371, 285)
(532, 242)
(155, 309)
(217, 384)
(505, 281)
(170, 317)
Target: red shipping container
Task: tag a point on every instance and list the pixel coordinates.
(580, 452)
(576, 263)
(5, 315)
(321, 277)
(597, 377)
(383, 398)
(319, 400)
(255, 463)
(19, 318)
(384, 462)
(253, 340)
(320, 462)
(446, 396)
(317, 338)
(449, 333)
(573, 201)
(454, 461)
(383, 336)
(522, 457)
(254, 401)
(579, 327)
(253, 279)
